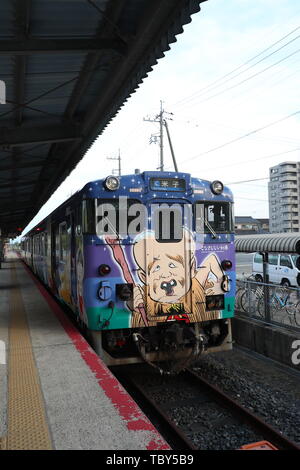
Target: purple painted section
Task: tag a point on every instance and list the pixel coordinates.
(102, 254)
(222, 250)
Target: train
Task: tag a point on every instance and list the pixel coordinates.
(146, 265)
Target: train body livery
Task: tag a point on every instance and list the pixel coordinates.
(146, 264)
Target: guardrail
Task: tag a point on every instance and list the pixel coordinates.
(270, 303)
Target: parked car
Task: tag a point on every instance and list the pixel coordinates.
(282, 268)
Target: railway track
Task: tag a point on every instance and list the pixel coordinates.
(213, 413)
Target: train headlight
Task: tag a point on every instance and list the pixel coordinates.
(112, 183)
(217, 187)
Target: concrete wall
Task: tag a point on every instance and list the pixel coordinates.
(277, 343)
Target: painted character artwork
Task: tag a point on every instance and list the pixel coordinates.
(80, 276)
(170, 286)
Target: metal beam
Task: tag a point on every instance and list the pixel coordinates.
(18, 183)
(58, 46)
(34, 135)
(21, 166)
(113, 12)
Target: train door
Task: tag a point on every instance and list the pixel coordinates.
(73, 274)
(169, 264)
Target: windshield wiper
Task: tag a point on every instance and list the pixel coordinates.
(213, 233)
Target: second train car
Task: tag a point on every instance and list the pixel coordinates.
(146, 263)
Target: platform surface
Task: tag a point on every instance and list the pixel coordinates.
(55, 393)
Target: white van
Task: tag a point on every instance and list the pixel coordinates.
(282, 269)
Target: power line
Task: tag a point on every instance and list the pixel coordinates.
(212, 85)
(194, 124)
(248, 68)
(254, 159)
(242, 136)
(247, 181)
(263, 90)
(250, 78)
(251, 199)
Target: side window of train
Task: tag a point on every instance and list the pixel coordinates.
(78, 220)
(45, 243)
(57, 243)
(63, 241)
(35, 245)
(88, 216)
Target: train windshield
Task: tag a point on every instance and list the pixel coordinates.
(120, 216)
(213, 217)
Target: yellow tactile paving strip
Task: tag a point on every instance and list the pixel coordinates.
(26, 419)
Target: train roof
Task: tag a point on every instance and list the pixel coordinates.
(198, 189)
(127, 182)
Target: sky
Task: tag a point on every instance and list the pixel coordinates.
(231, 81)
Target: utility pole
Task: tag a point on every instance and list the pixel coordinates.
(161, 123)
(119, 163)
(160, 119)
(171, 146)
(154, 138)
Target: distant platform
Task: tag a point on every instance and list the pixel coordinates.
(55, 391)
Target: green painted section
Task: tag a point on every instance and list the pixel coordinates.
(120, 318)
(228, 311)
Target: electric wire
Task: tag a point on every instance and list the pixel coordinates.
(214, 149)
(238, 68)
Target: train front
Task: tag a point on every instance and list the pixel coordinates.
(159, 278)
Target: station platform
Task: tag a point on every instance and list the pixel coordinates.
(55, 392)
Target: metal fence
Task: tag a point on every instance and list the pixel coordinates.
(270, 303)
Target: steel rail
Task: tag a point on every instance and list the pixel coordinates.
(172, 434)
(267, 430)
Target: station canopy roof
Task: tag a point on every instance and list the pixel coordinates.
(272, 243)
(68, 67)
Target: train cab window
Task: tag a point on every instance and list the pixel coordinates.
(213, 216)
(109, 217)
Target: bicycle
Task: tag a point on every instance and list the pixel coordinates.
(249, 295)
(281, 301)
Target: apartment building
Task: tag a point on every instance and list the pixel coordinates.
(284, 192)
